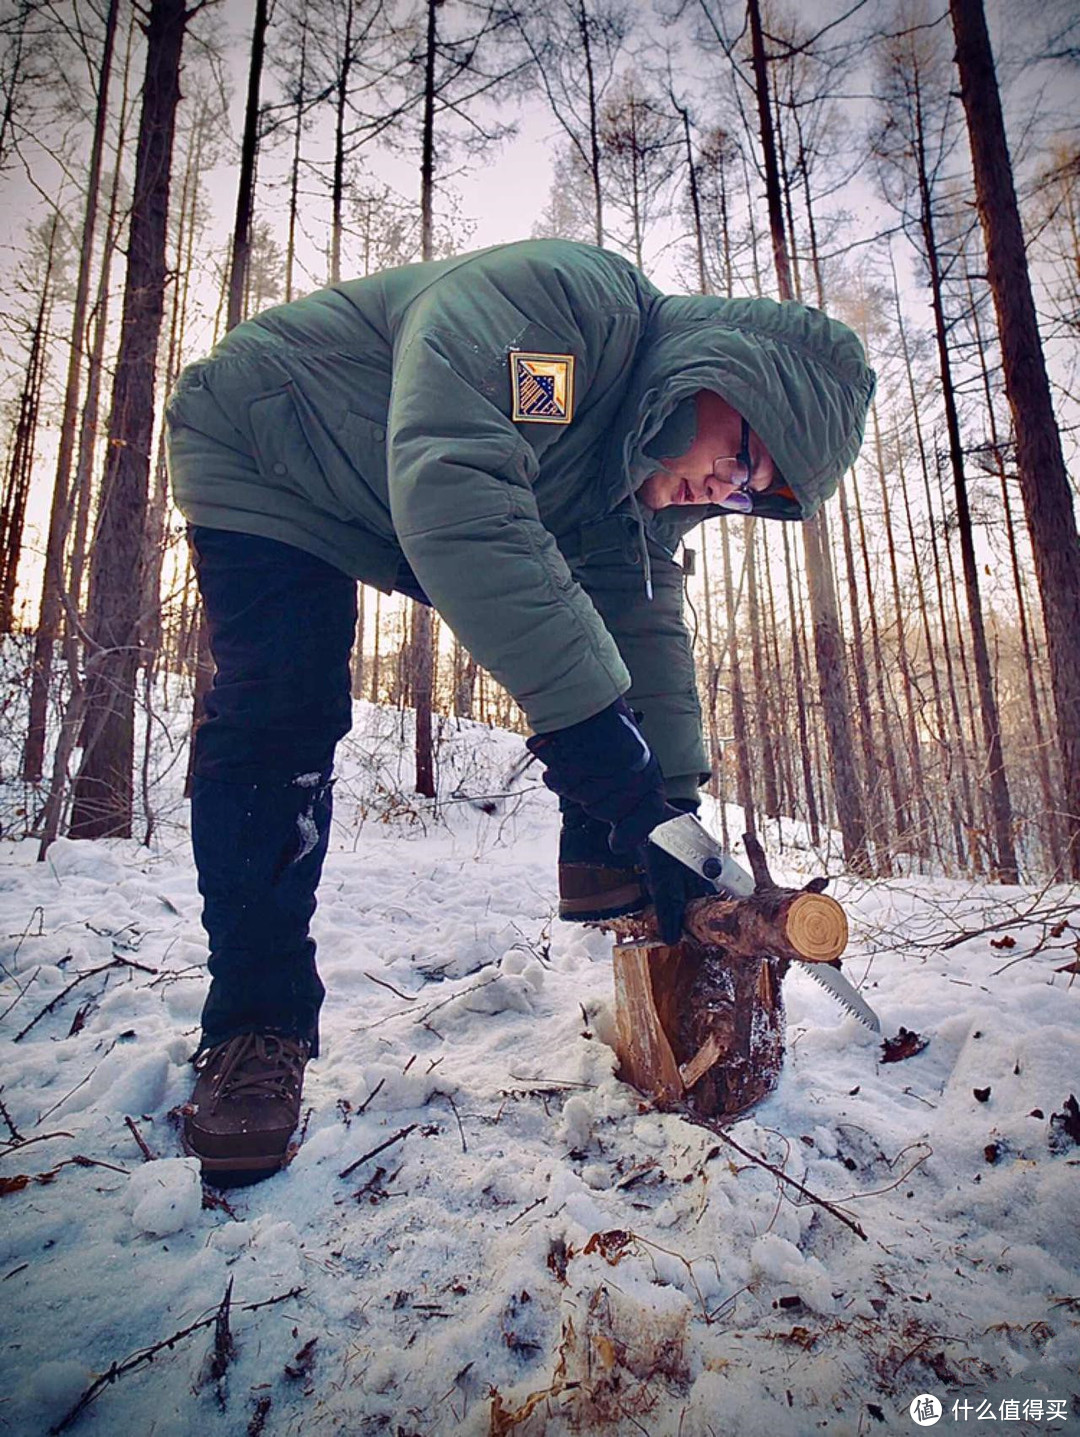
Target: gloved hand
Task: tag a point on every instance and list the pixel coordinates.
(605, 765)
(671, 886)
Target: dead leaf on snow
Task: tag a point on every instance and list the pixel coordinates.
(905, 1045)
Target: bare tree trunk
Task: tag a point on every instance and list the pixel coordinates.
(464, 681)
(594, 123)
(60, 515)
(901, 821)
(294, 169)
(422, 650)
(359, 658)
(812, 816)
(872, 787)
(82, 490)
(376, 654)
(337, 191)
(955, 814)
(235, 290)
(1044, 483)
(21, 466)
(827, 645)
(766, 738)
(1000, 807)
(245, 193)
(1000, 803)
(917, 787)
(768, 147)
(743, 776)
(959, 737)
(695, 199)
(712, 677)
(785, 769)
(103, 789)
(1040, 742)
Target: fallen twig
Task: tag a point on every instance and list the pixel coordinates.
(363, 1106)
(148, 1354)
(224, 1347)
(16, 1136)
(473, 988)
(115, 962)
(536, 1203)
(211, 1199)
(39, 914)
(398, 1136)
(81, 1083)
(15, 1147)
(23, 1180)
(409, 997)
(259, 1416)
(439, 1093)
(21, 994)
(784, 1177)
(147, 1154)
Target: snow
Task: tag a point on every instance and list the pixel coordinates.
(535, 1249)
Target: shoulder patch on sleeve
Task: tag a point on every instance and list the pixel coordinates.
(543, 387)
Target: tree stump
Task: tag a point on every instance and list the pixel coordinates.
(701, 1024)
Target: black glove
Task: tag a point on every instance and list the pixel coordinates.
(671, 886)
(605, 765)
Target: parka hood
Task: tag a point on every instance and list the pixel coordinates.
(799, 377)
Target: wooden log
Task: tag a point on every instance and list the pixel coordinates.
(696, 1028)
(701, 1024)
(647, 989)
(785, 924)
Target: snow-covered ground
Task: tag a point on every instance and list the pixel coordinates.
(529, 1247)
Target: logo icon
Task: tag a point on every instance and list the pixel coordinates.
(543, 387)
(925, 1409)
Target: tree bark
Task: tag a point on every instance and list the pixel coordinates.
(245, 190)
(1044, 483)
(103, 789)
(800, 686)
(60, 514)
(421, 649)
(744, 782)
(766, 737)
(1005, 863)
(828, 649)
(21, 465)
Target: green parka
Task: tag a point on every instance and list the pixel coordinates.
(372, 424)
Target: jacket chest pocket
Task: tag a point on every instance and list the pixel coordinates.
(329, 469)
(284, 455)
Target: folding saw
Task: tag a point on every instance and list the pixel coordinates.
(687, 839)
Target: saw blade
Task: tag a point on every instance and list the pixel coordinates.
(834, 981)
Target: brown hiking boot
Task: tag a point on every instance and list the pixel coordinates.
(588, 891)
(593, 881)
(245, 1106)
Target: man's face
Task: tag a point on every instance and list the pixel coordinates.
(690, 478)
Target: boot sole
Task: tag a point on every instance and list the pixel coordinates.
(616, 904)
(234, 1172)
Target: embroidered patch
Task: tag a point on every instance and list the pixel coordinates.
(543, 386)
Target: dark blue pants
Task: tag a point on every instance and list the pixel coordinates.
(281, 626)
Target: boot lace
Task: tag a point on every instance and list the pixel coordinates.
(259, 1065)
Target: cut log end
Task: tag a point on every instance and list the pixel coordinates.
(816, 928)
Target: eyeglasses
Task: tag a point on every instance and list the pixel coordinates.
(740, 500)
